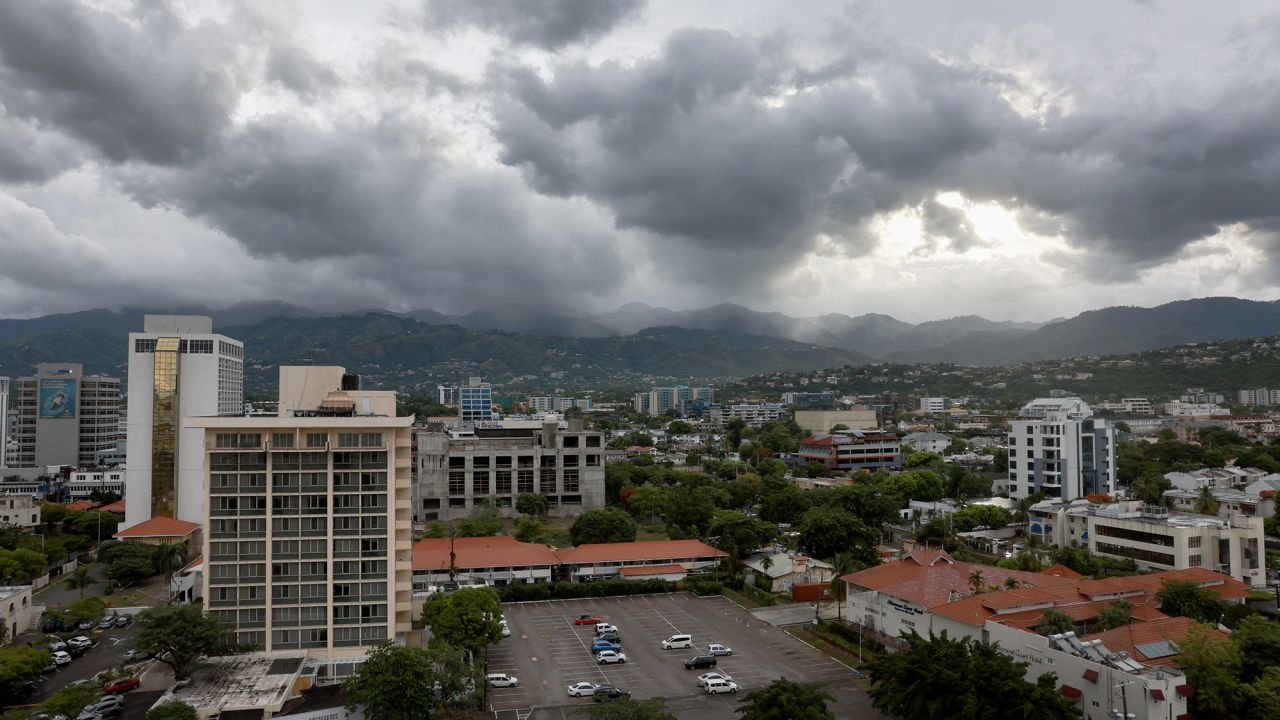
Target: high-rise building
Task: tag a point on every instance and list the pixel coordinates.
(475, 401)
(447, 394)
(681, 398)
(1259, 396)
(457, 469)
(178, 368)
(812, 400)
(753, 414)
(933, 404)
(308, 542)
(555, 403)
(1058, 448)
(64, 417)
(4, 419)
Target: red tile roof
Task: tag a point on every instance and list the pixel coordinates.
(159, 527)
(115, 507)
(480, 552)
(637, 552)
(641, 570)
(1225, 586)
(1061, 571)
(932, 578)
(1129, 637)
(81, 505)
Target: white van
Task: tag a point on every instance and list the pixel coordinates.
(677, 642)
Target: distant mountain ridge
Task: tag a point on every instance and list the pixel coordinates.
(644, 339)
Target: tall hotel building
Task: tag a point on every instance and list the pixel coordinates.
(309, 535)
(64, 417)
(1057, 447)
(4, 419)
(178, 368)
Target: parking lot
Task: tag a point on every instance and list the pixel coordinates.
(548, 653)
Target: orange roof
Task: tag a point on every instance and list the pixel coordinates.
(932, 578)
(159, 526)
(1225, 586)
(81, 505)
(480, 552)
(1061, 571)
(632, 570)
(638, 551)
(1129, 637)
(115, 507)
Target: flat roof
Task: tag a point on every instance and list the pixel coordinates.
(241, 423)
(243, 682)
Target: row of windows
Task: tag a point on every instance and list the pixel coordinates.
(193, 347)
(1139, 554)
(481, 485)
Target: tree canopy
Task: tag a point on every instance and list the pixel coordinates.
(178, 635)
(172, 710)
(467, 618)
(1117, 613)
(940, 678)
(532, 504)
(404, 683)
(1187, 599)
(825, 531)
(18, 664)
(606, 525)
(627, 709)
(785, 699)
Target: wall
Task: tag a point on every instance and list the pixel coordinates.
(821, 421)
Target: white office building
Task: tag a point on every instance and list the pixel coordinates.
(933, 404)
(4, 419)
(1058, 448)
(753, 414)
(178, 368)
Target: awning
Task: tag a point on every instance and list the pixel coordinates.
(1184, 690)
(1091, 675)
(1068, 691)
(1157, 694)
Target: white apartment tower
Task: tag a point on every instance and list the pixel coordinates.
(63, 417)
(178, 368)
(308, 542)
(4, 418)
(1057, 447)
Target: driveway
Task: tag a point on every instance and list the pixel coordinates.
(108, 653)
(797, 614)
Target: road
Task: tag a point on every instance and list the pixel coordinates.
(108, 653)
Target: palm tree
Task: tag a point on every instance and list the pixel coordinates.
(80, 579)
(1011, 583)
(167, 558)
(1206, 503)
(842, 564)
(975, 581)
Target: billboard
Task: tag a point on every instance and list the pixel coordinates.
(58, 397)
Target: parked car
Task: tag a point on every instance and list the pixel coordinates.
(602, 645)
(612, 636)
(107, 705)
(61, 658)
(57, 645)
(107, 622)
(76, 651)
(586, 620)
(718, 649)
(124, 621)
(608, 657)
(123, 685)
(499, 680)
(700, 661)
(716, 687)
(86, 625)
(677, 642)
(80, 641)
(713, 675)
(506, 630)
(611, 692)
(605, 627)
(132, 655)
(582, 689)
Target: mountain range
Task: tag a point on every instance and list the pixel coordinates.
(720, 341)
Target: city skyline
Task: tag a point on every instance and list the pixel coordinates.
(1016, 163)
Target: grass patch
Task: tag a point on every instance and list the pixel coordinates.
(1261, 595)
(743, 600)
(829, 646)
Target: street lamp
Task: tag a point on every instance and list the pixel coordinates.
(1124, 700)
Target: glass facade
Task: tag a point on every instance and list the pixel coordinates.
(164, 427)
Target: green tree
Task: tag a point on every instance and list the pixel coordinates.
(1117, 613)
(923, 460)
(21, 564)
(172, 710)
(1259, 641)
(606, 525)
(1000, 460)
(483, 521)
(69, 701)
(737, 534)
(914, 485)
(1150, 487)
(1054, 621)
(977, 582)
(393, 683)
(955, 679)
(79, 579)
(533, 505)
(745, 489)
(784, 506)
(19, 664)
(528, 529)
(647, 502)
(1213, 664)
(785, 699)
(168, 558)
(825, 531)
(84, 610)
(467, 618)
(679, 427)
(691, 508)
(980, 516)
(1206, 503)
(733, 434)
(842, 564)
(1187, 599)
(1022, 560)
(628, 709)
(178, 635)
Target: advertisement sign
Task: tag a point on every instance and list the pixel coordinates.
(58, 398)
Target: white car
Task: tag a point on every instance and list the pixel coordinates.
(57, 645)
(602, 628)
(608, 657)
(80, 641)
(501, 680)
(718, 649)
(506, 631)
(582, 689)
(716, 687)
(61, 658)
(708, 677)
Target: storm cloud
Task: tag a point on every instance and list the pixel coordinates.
(584, 154)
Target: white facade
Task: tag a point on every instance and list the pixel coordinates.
(19, 510)
(933, 404)
(1060, 450)
(1136, 406)
(1259, 396)
(4, 419)
(753, 414)
(84, 483)
(1182, 409)
(927, 441)
(209, 382)
(15, 610)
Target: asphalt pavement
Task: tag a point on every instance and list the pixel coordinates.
(107, 653)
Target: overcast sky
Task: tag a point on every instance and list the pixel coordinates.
(923, 159)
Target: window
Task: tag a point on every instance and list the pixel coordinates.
(317, 440)
(348, 440)
(1194, 541)
(524, 461)
(502, 461)
(226, 440)
(142, 345)
(457, 463)
(524, 481)
(571, 481)
(480, 462)
(593, 460)
(370, 439)
(571, 441)
(480, 484)
(547, 480)
(1193, 561)
(504, 482)
(281, 440)
(593, 441)
(457, 482)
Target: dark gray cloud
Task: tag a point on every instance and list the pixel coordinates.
(295, 68)
(29, 153)
(548, 25)
(155, 89)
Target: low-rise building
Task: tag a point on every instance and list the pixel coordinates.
(851, 450)
(667, 558)
(83, 483)
(784, 569)
(1225, 478)
(812, 400)
(15, 611)
(462, 467)
(161, 530)
(22, 511)
(821, 421)
(496, 561)
(927, 441)
(933, 405)
(1230, 502)
(753, 414)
